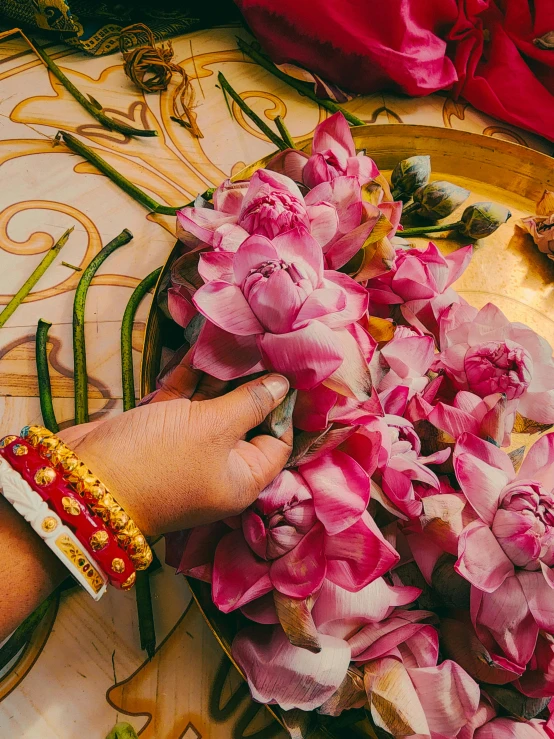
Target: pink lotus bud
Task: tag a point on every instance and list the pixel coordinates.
(524, 524)
(498, 367)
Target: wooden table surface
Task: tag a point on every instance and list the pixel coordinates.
(83, 669)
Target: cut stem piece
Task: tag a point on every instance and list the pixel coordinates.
(127, 372)
(43, 373)
(422, 230)
(302, 87)
(79, 351)
(31, 281)
(285, 133)
(254, 117)
(126, 185)
(90, 105)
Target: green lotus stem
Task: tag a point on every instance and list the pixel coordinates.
(254, 117)
(126, 185)
(421, 230)
(89, 104)
(285, 133)
(72, 266)
(302, 87)
(43, 373)
(31, 281)
(79, 352)
(23, 633)
(147, 629)
(127, 372)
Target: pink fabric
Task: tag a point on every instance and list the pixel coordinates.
(481, 50)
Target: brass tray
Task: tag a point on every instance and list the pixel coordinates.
(507, 269)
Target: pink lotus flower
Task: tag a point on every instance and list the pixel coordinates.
(308, 525)
(483, 352)
(538, 679)
(272, 306)
(333, 155)
(292, 677)
(420, 284)
(507, 728)
(270, 204)
(507, 551)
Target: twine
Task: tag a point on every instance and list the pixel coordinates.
(151, 69)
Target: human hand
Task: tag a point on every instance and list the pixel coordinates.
(182, 460)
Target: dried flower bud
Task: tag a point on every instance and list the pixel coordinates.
(411, 174)
(541, 229)
(482, 219)
(545, 206)
(438, 200)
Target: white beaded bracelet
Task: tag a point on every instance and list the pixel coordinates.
(51, 529)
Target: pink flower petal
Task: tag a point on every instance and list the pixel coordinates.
(483, 471)
(320, 303)
(358, 555)
(352, 376)
(426, 554)
(216, 265)
(448, 695)
(290, 163)
(340, 490)
(224, 355)
(179, 305)
(342, 250)
(376, 640)
(409, 356)
(276, 302)
(334, 134)
(324, 222)
(311, 410)
(251, 254)
(262, 610)
(229, 195)
(506, 728)
(539, 406)
(540, 598)
(344, 194)
(229, 237)
(238, 575)
(292, 677)
(452, 420)
(356, 300)
(300, 572)
(226, 306)
(505, 616)
(481, 558)
(393, 213)
(457, 262)
(539, 463)
(362, 167)
(338, 611)
(306, 356)
(298, 245)
(202, 222)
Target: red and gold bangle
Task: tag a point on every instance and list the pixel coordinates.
(89, 529)
(93, 492)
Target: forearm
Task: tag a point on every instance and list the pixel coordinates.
(28, 569)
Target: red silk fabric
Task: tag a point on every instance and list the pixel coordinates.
(481, 50)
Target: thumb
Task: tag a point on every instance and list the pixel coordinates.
(246, 407)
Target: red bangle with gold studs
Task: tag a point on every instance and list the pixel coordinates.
(89, 529)
(92, 492)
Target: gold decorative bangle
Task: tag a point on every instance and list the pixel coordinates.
(93, 492)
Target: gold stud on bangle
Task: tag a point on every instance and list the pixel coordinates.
(45, 476)
(7, 440)
(70, 505)
(49, 523)
(129, 582)
(20, 450)
(118, 565)
(99, 540)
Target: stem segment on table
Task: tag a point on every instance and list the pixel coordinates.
(127, 372)
(285, 133)
(126, 185)
(43, 374)
(79, 352)
(88, 103)
(32, 280)
(302, 87)
(254, 117)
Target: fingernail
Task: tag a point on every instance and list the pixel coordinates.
(277, 385)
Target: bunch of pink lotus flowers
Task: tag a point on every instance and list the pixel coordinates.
(402, 566)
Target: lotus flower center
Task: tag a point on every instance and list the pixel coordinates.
(268, 268)
(274, 213)
(498, 367)
(524, 524)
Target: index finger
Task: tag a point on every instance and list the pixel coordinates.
(180, 382)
